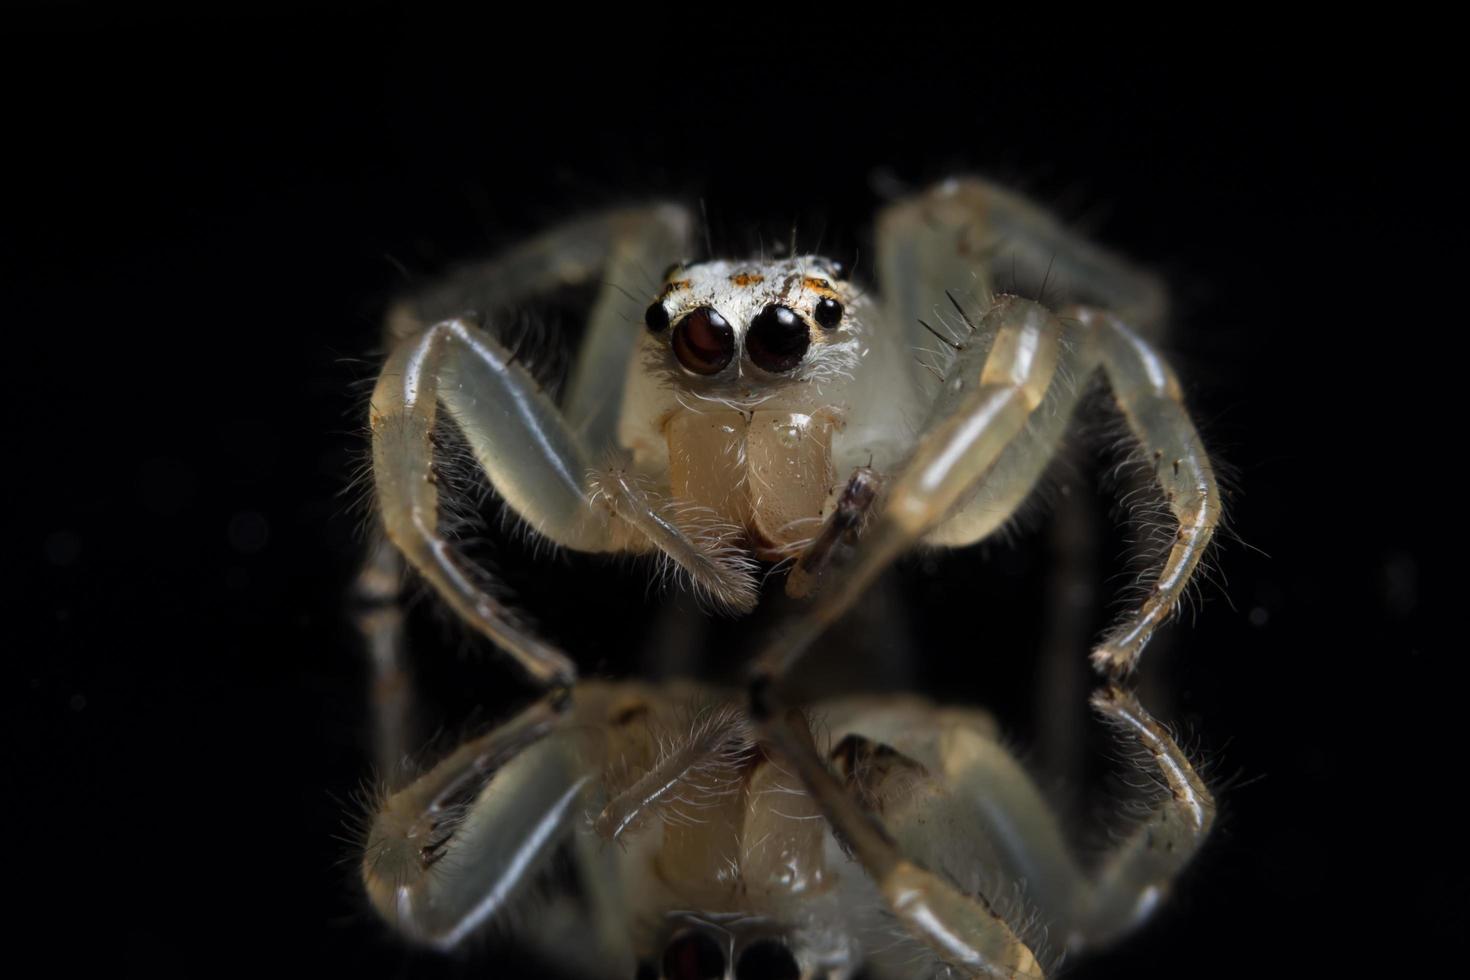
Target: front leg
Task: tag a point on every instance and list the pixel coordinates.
(532, 458)
(990, 396)
(519, 440)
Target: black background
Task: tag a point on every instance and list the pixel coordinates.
(204, 221)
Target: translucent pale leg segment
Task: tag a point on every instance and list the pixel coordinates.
(380, 622)
(971, 236)
(1019, 467)
(627, 249)
(451, 849)
(534, 462)
(962, 931)
(1062, 678)
(607, 903)
(1137, 876)
(518, 438)
(989, 397)
(1000, 386)
(1149, 395)
(644, 243)
(957, 801)
(981, 820)
(925, 256)
(993, 819)
(611, 245)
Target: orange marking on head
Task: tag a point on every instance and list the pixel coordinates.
(817, 285)
(747, 278)
(674, 287)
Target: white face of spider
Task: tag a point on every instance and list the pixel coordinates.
(755, 321)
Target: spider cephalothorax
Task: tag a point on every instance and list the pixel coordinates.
(736, 412)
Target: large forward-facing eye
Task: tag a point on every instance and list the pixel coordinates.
(704, 342)
(767, 959)
(693, 956)
(777, 340)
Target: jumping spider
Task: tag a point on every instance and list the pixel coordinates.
(773, 411)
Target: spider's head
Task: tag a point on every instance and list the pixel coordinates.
(755, 321)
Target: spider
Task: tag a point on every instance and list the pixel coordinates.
(771, 411)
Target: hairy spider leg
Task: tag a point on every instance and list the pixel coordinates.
(974, 816)
(1012, 378)
(535, 456)
(451, 848)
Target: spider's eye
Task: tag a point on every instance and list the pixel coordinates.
(829, 313)
(656, 318)
(767, 959)
(693, 956)
(704, 342)
(777, 340)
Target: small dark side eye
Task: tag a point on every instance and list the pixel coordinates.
(828, 313)
(656, 318)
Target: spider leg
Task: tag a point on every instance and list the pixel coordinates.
(449, 850)
(976, 237)
(1062, 677)
(379, 619)
(1134, 879)
(626, 249)
(988, 443)
(534, 461)
(964, 931)
(520, 441)
(992, 394)
(1011, 377)
(1007, 843)
(1149, 395)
